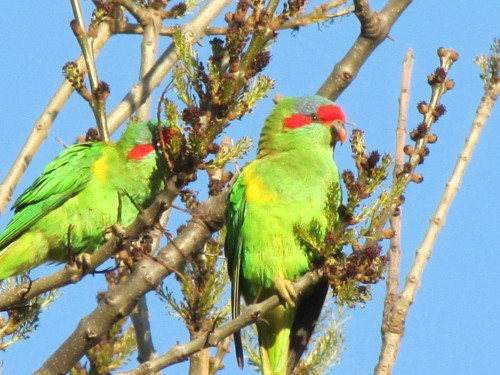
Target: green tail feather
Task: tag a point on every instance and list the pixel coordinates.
(274, 340)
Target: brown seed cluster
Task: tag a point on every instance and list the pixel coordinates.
(421, 135)
(348, 278)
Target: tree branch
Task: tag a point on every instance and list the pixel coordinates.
(146, 276)
(393, 327)
(149, 48)
(249, 315)
(372, 34)
(97, 103)
(142, 328)
(370, 21)
(216, 362)
(141, 14)
(317, 15)
(395, 248)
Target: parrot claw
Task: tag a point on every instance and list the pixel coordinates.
(286, 291)
(117, 230)
(83, 260)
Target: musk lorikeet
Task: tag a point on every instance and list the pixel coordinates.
(79, 195)
(285, 186)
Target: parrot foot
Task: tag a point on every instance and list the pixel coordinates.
(83, 260)
(286, 291)
(116, 229)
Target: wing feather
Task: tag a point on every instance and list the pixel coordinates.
(235, 216)
(63, 178)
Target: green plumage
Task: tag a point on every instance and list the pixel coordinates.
(286, 185)
(68, 208)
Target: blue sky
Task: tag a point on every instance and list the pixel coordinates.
(454, 324)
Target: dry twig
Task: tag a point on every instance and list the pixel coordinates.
(395, 247)
(97, 101)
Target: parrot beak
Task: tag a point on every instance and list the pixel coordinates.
(338, 132)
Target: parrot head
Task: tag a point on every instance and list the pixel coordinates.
(140, 139)
(308, 121)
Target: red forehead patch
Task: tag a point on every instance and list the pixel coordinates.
(140, 151)
(296, 120)
(330, 113)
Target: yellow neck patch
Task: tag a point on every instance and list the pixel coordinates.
(255, 190)
(100, 169)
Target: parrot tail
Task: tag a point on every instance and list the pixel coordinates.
(274, 340)
(306, 317)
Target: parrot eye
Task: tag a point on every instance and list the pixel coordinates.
(314, 118)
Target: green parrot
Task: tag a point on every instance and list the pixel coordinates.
(286, 185)
(79, 195)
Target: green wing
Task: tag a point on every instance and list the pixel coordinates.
(63, 178)
(233, 247)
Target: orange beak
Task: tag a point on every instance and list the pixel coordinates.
(338, 132)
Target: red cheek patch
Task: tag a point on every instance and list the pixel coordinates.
(330, 113)
(140, 151)
(296, 121)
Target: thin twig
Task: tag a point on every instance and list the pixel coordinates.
(395, 247)
(216, 362)
(98, 105)
(395, 325)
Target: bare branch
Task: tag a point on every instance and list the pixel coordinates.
(394, 326)
(346, 70)
(395, 248)
(370, 21)
(216, 362)
(135, 29)
(149, 48)
(317, 15)
(140, 314)
(142, 328)
(97, 104)
(141, 14)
